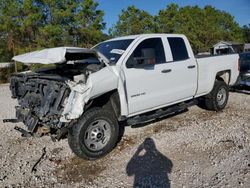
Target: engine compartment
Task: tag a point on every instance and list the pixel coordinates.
(69, 70)
(42, 94)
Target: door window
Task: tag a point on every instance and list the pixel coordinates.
(145, 48)
(178, 48)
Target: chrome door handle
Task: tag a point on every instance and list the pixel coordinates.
(166, 70)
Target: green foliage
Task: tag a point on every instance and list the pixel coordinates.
(89, 22)
(166, 19)
(246, 33)
(28, 25)
(133, 21)
(203, 26)
(5, 54)
(5, 74)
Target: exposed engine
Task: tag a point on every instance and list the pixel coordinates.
(42, 95)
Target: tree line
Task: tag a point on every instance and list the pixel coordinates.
(203, 26)
(27, 25)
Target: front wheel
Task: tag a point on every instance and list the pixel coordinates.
(217, 99)
(94, 135)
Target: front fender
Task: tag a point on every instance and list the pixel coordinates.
(98, 83)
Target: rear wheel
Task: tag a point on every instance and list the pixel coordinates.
(94, 135)
(217, 99)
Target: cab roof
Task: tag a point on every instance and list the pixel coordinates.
(145, 35)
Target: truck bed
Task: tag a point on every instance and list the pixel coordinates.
(210, 66)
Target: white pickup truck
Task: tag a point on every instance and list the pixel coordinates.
(89, 93)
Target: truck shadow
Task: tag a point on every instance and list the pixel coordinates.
(149, 166)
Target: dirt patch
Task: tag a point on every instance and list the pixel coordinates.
(206, 149)
(126, 142)
(182, 119)
(56, 151)
(163, 127)
(227, 144)
(77, 170)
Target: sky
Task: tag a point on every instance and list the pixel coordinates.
(240, 9)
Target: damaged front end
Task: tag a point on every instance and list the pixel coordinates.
(41, 99)
(49, 99)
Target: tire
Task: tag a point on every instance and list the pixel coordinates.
(217, 99)
(94, 135)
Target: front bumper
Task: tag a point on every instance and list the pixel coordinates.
(25, 115)
(40, 99)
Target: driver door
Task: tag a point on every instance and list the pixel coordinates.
(146, 83)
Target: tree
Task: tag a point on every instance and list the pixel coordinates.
(246, 33)
(89, 22)
(31, 18)
(58, 23)
(9, 25)
(203, 26)
(5, 53)
(77, 22)
(166, 19)
(198, 26)
(27, 25)
(133, 21)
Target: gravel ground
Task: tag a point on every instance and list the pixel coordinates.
(197, 148)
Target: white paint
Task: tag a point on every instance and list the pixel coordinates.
(76, 101)
(210, 66)
(154, 88)
(157, 89)
(48, 56)
(97, 84)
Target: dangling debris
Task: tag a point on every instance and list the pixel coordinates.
(39, 160)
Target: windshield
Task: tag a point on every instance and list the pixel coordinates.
(113, 50)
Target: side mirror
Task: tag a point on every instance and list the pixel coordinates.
(147, 57)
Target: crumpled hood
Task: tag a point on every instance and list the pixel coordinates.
(51, 55)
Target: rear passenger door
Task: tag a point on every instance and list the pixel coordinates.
(181, 82)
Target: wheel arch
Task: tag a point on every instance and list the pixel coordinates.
(224, 76)
(109, 100)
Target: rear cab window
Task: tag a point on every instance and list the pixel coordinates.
(178, 48)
